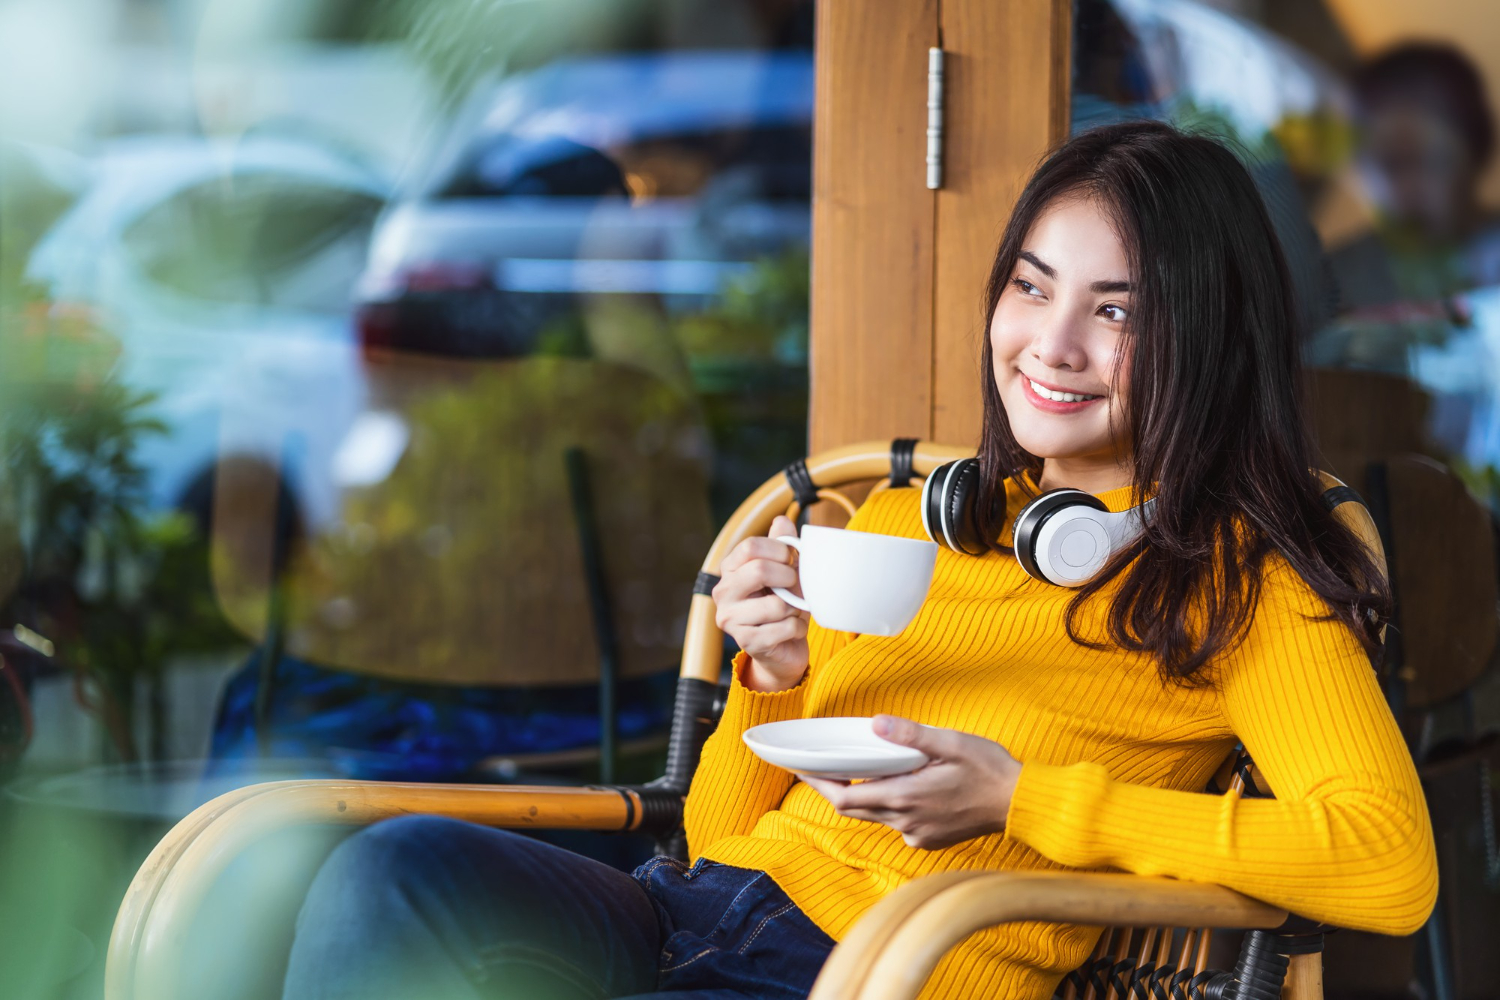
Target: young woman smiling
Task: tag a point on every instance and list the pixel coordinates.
(1141, 344)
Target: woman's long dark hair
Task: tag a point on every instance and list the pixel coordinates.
(1214, 413)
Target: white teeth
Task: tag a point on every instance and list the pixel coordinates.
(1058, 397)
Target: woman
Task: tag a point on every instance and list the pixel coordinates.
(1141, 342)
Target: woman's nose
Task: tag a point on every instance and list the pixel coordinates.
(1057, 344)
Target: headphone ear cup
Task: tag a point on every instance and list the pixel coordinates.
(932, 502)
(960, 525)
(948, 506)
(1033, 516)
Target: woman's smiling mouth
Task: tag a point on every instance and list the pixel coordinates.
(1055, 400)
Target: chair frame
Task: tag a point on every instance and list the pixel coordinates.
(887, 956)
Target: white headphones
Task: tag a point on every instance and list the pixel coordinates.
(1064, 537)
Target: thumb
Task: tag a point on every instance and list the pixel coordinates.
(932, 742)
(783, 525)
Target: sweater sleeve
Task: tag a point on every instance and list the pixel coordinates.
(1347, 839)
(732, 788)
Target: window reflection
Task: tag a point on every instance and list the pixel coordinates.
(327, 332)
(1420, 288)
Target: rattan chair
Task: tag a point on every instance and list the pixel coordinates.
(889, 953)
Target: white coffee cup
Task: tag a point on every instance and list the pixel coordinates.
(857, 581)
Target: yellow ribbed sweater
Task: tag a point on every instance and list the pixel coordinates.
(1113, 764)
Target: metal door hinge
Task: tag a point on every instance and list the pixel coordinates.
(934, 119)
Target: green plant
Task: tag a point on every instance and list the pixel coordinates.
(761, 315)
(1253, 144)
(1482, 480)
(117, 587)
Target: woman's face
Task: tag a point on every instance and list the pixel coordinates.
(1056, 333)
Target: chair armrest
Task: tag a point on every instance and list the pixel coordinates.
(171, 885)
(893, 949)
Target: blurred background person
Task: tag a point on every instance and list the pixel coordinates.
(1427, 133)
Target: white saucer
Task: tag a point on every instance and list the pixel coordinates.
(843, 748)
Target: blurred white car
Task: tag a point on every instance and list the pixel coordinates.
(225, 271)
(662, 174)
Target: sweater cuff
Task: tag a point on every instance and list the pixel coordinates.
(745, 708)
(1057, 809)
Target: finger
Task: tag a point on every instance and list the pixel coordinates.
(829, 788)
(763, 574)
(895, 821)
(756, 548)
(757, 612)
(934, 742)
(754, 579)
(761, 639)
(929, 840)
(782, 525)
(837, 793)
(892, 795)
(787, 630)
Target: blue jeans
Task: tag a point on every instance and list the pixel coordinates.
(428, 908)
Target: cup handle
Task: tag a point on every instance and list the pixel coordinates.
(786, 595)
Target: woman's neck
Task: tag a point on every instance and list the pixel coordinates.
(1090, 475)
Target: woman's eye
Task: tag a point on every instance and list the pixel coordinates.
(1026, 287)
(1115, 314)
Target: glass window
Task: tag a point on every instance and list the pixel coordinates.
(352, 356)
(273, 239)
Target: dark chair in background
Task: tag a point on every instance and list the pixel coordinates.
(1440, 545)
(532, 542)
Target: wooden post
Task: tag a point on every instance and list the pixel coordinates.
(898, 271)
(872, 226)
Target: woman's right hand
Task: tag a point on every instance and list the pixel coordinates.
(769, 629)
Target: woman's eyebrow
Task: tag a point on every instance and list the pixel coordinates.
(1098, 287)
(1038, 263)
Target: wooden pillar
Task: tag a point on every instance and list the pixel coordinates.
(898, 271)
(872, 223)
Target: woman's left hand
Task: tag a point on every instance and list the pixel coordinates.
(962, 792)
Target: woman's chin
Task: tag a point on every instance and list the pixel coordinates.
(1060, 447)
